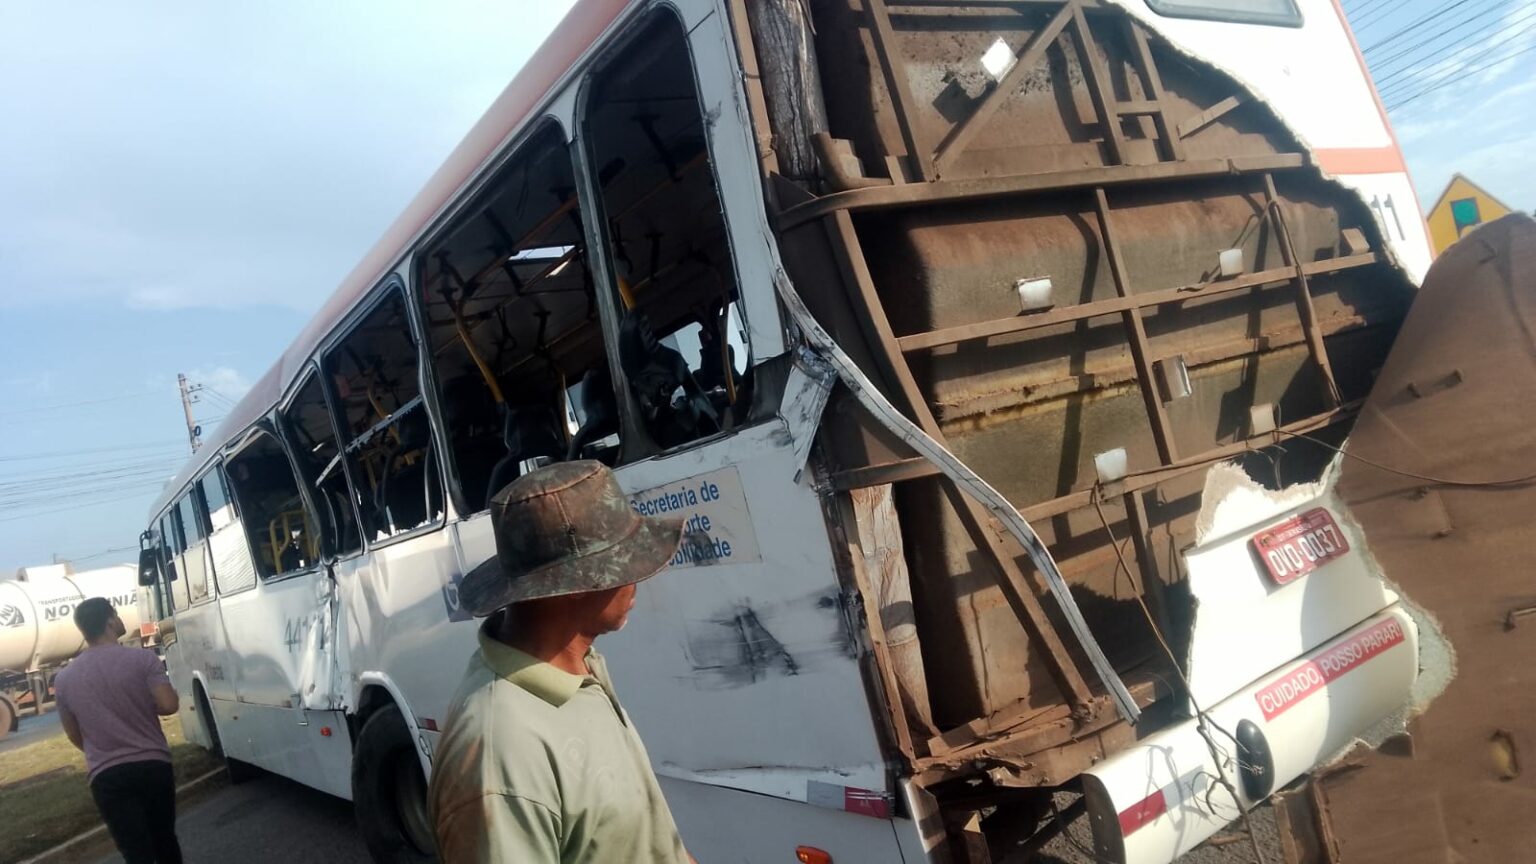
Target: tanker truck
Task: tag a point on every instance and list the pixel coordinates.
(38, 634)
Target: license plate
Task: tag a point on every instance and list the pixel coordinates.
(1300, 545)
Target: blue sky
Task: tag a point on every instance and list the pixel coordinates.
(184, 183)
(1472, 65)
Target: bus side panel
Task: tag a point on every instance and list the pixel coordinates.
(398, 622)
(717, 824)
(293, 743)
(739, 666)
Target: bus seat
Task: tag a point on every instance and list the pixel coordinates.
(528, 431)
(599, 406)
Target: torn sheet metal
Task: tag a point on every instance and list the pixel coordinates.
(805, 397)
(1453, 403)
(964, 478)
(1161, 797)
(1274, 575)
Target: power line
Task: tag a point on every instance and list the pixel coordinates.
(62, 405)
(1376, 17)
(1362, 8)
(1422, 61)
(1445, 67)
(30, 514)
(1420, 22)
(1462, 77)
(55, 454)
(102, 554)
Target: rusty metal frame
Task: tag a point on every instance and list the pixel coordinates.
(901, 94)
(981, 188)
(1304, 307)
(1024, 61)
(1016, 589)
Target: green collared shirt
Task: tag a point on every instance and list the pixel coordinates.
(539, 765)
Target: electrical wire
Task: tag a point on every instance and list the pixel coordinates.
(1202, 720)
(102, 554)
(1438, 481)
(1406, 100)
(1443, 68)
(1455, 46)
(1362, 8)
(1416, 24)
(1370, 19)
(62, 405)
(57, 454)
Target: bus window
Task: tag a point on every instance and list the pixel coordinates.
(513, 328)
(277, 524)
(232, 567)
(388, 439)
(308, 423)
(666, 233)
(194, 558)
(1280, 12)
(171, 547)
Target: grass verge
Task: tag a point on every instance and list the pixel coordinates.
(45, 798)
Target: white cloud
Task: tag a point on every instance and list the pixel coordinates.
(223, 380)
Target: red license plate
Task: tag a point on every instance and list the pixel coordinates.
(1300, 545)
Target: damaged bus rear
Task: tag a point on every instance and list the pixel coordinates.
(1108, 286)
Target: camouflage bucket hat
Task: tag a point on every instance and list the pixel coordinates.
(566, 529)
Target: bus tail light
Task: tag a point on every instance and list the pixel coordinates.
(811, 855)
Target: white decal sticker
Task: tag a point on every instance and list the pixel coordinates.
(716, 522)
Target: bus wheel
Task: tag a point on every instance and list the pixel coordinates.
(234, 770)
(389, 792)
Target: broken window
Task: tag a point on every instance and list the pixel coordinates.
(387, 438)
(232, 567)
(307, 421)
(512, 323)
(194, 557)
(170, 549)
(278, 525)
(681, 346)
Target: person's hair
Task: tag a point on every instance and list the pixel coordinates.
(92, 615)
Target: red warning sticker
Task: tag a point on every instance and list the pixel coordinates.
(1315, 674)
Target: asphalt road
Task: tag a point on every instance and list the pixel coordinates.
(264, 820)
(30, 730)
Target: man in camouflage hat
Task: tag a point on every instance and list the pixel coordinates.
(538, 761)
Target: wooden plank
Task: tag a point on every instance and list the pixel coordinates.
(883, 554)
(901, 93)
(1025, 61)
(1015, 588)
(1303, 294)
(1162, 430)
(1021, 323)
(1098, 87)
(895, 712)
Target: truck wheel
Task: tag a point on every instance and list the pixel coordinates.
(235, 771)
(7, 716)
(389, 792)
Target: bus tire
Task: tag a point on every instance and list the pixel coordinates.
(235, 771)
(9, 717)
(389, 792)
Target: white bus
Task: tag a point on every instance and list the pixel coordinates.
(1085, 249)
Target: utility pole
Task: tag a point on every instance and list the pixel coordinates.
(186, 407)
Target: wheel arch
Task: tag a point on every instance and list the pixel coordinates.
(377, 691)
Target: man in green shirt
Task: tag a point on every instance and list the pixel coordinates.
(538, 761)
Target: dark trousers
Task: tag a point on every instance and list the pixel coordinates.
(137, 800)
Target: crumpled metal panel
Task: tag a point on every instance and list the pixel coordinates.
(1454, 402)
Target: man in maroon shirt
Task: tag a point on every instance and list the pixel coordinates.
(110, 701)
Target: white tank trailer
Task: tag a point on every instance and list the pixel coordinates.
(38, 633)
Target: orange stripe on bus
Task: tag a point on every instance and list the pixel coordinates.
(1361, 160)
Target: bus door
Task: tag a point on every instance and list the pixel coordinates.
(749, 626)
(280, 626)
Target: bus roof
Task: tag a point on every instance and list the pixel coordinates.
(559, 53)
